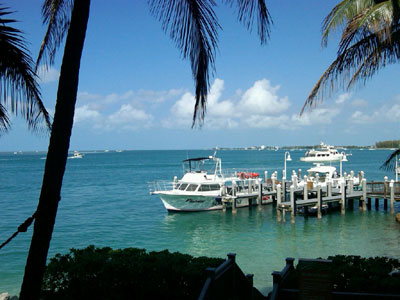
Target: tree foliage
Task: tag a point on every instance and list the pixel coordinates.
(370, 40)
(103, 273)
(19, 91)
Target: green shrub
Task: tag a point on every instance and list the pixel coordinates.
(360, 274)
(104, 273)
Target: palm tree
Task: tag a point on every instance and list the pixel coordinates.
(18, 87)
(192, 25)
(370, 40)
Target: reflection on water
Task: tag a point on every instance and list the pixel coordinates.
(262, 244)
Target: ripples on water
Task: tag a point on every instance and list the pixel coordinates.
(105, 202)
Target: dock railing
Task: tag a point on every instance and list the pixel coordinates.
(313, 283)
(228, 281)
(160, 185)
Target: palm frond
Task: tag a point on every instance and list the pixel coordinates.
(251, 11)
(4, 120)
(193, 26)
(340, 14)
(56, 15)
(390, 162)
(369, 52)
(19, 91)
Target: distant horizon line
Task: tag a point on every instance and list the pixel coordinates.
(251, 148)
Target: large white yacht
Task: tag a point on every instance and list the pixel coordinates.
(325, 153)
(203, 186)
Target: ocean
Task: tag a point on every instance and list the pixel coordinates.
(106, 202)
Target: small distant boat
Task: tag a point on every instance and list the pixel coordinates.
(76, 155)
(325, 153)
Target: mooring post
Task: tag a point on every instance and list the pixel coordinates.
(392, 196)
(299, 173)
(260, 193)
(294, 180)
(284, 189)
(292, 204)
(343, 198)
(385, 191)
(234, 189)
(329, 188)
(305, 191)
(265, 176)
(319, 201)
(273, 179)
(278, 202)
(250, 189)
(364, 196)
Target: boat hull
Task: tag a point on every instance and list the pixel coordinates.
(320, 159)
(190, 202)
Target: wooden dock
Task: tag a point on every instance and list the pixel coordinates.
(289, 196)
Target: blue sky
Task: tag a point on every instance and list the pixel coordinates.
(136, 92)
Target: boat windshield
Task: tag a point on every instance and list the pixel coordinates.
(322, 175)
(209, 187)
(183, 186)
(201, 164)
(192, 187)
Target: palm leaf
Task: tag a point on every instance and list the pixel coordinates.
(390, 162)
(253, 11)
(56, 14)
(193, 26)
(369, 52)
(4, 120)
(18, 87)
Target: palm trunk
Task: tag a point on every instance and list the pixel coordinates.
(57, 153)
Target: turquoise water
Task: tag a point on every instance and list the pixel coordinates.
(106, 202)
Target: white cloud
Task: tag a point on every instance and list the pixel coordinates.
(315, 116)
(84, 113)
(359, 117)
(128, 117)
(359, 103)
(256, 107)
(47, 74)
(343, 97)
(262, 99)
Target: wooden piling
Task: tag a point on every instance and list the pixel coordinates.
(329, 188)
(292, 204)
(278, 202)
(392, 196)
(369, 203)
(376, 203)
(364, 196)
(260, 193)
(343, 198)
(305, 191)
(234, 205)
(319, 201)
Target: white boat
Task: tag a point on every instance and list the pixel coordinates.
(200, 189)
(321, 174)
(76, 155)
(325, 153)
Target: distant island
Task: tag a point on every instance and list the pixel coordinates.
(392, 144)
